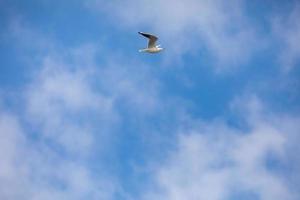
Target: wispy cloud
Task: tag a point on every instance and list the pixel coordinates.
(287, 29)
(31, 170)
(68, 114)
(189, 26)
(46, 148)
(214, 160)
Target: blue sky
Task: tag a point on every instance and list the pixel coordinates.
(214, 116)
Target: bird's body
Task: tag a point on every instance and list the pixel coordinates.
(151, 50)
(152, 47)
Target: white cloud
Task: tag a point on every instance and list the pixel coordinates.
(133, 85)
(44, 151)
(190, 26)
(60, 123)
(68, 113)
(57, 97)
(12, 169)
(216, 161)
(287, 29)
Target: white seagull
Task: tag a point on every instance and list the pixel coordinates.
(152, 47)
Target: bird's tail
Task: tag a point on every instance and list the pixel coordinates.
(142, 50)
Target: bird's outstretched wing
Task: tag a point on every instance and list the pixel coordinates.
(152, 39)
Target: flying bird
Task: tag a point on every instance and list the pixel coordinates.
(152, 47)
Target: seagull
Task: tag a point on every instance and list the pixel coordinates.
(152, 47)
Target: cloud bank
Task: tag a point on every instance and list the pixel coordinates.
(215, 161)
